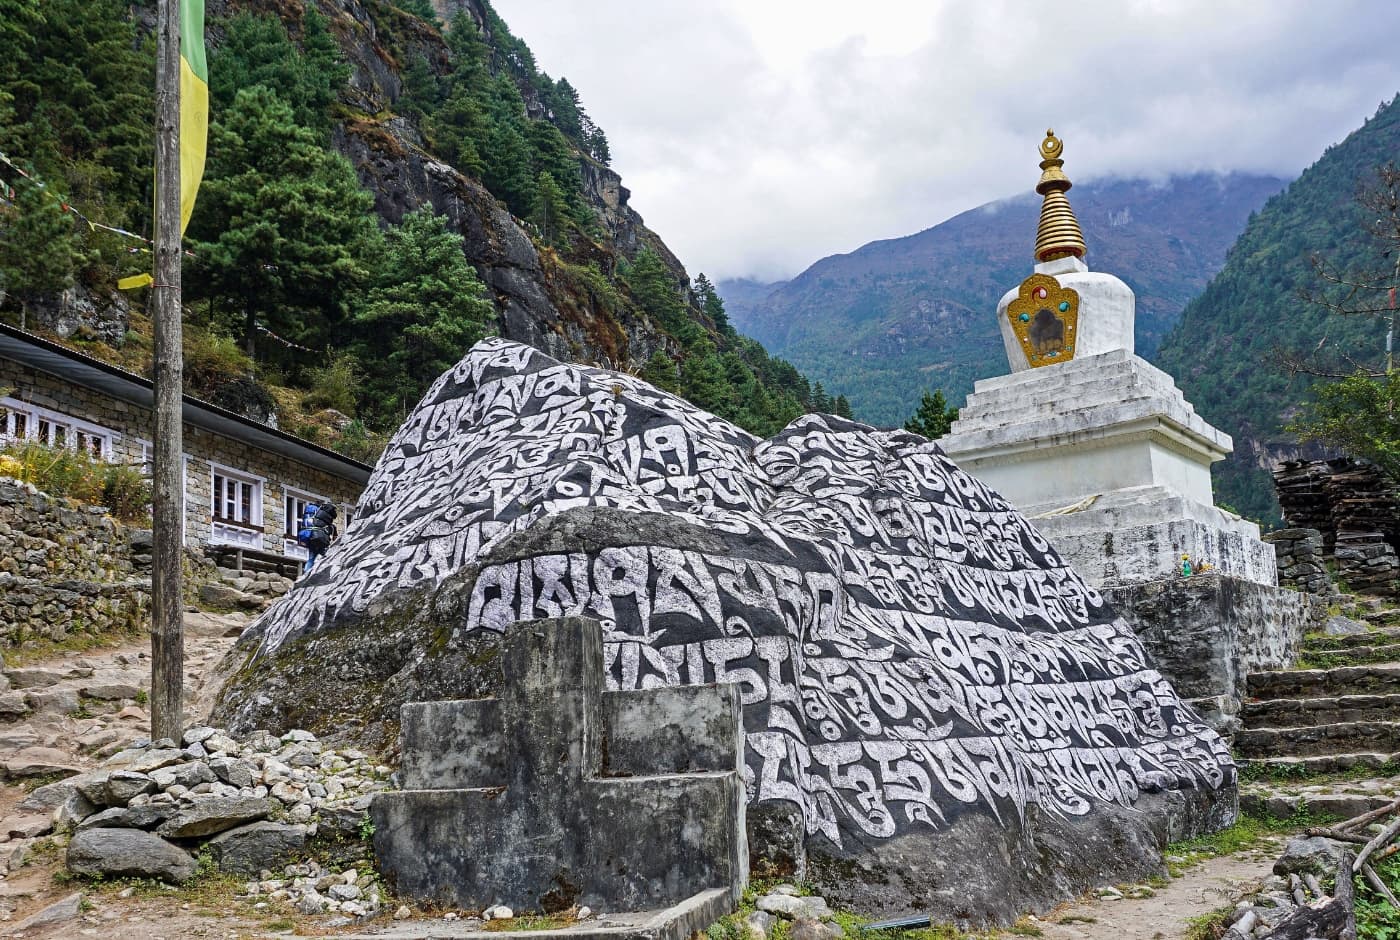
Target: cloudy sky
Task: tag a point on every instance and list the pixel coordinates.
(760, 135)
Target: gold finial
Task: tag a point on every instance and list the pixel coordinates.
(1058, 235)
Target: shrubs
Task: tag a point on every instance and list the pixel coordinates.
(76, 475)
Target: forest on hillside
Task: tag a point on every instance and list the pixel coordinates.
(1234, 349)
(301, 299)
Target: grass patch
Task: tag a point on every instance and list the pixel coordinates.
(1250, 831)
(74, 474)
(41, 649)
(533, 922)
(1299, 773)
(1209, 926)
(1247, 833)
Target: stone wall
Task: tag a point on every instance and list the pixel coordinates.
(66, 570)
(279, 476)
(1300, 554)
(1207, 633)
(1357, 512)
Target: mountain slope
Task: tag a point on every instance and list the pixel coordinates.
(1224, 352)
(334, 125)
(895, 317)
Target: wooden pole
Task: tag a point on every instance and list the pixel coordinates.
(168, 498)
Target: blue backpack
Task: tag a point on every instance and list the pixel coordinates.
(317, 526)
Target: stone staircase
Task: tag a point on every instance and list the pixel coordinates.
(1324, 736)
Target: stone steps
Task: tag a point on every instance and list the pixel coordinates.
(1309, 712)
(1297, 768)
(1325, 683)
(1336, 738)
(1318, 806)
(1353, 655)
(1383, 636)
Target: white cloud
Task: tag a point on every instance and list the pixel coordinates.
(759, 135)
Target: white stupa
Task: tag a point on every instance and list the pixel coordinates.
(1089, 439)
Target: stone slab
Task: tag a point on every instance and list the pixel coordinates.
(675, 730)
(513, 801)
(678, 922)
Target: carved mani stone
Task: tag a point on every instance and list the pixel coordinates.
(558, 793)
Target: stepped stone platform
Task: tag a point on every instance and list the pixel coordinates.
(1326, 740)
(540, 798)
(1112, 462)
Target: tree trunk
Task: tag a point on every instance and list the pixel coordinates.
(250, 330)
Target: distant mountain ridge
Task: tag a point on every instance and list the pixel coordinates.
(898, 316)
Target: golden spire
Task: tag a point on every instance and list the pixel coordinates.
(1058, 235)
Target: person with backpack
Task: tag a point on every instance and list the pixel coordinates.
(316, 531)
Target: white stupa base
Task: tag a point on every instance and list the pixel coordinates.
(1115, 462)
(1139, 534)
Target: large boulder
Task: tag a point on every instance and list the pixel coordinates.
(962, 723)
(249, 849)
(128, 853)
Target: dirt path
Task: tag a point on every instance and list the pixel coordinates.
(1166, 915)
(64, 724)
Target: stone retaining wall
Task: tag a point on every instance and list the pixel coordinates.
(1207, 633)
(1300, 554)
(67, 569)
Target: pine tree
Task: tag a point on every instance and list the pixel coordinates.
(711, 304)
(566, 109)
(19, 21)
(934, 417)
(283, 230)
(423, 9)
(820, 403)
(704, 383)
(842, 407)
(421, 94)
(597, 144)
(36, 245)
(660, 370)
(430, 297)
(655, 290)
(258, 51)
(80, 103)
(551, 212)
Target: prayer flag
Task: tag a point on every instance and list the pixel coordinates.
(194, 105)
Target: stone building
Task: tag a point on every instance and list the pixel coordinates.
(245, 482)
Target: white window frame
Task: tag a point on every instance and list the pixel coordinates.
(60, 430)
(227, 530)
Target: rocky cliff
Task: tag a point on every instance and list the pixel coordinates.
(541, 301)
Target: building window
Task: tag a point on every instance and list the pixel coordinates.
(23, 422)
(236, 514)
(237, 499)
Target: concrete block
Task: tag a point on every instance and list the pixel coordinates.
(511, 800)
